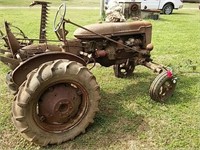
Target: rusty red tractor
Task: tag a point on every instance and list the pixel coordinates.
(56, 95)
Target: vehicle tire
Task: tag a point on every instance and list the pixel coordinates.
(162, 87)
(167, 9)
(56, 103)
(11, 85)
(124, 70)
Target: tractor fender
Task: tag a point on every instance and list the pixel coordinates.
(21, 71)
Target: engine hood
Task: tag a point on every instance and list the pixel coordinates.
(112, 29)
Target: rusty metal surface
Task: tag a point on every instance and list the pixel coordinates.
(112, 29)
(154, 66)
(12, 41)
(124, 69)
(20, 73)
(42, 47)
(44, 16)
(59, 103)
(34, 49)
(12, 63)
(101, 53)
(19, 35)
(131, 10)
(88, 31)
(73, 46)
(62, 106)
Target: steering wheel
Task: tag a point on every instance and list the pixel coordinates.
(59, 17)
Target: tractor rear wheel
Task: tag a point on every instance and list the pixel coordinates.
(162, 87)
(56, 103)
(11, 85)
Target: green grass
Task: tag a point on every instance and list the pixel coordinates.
(128, 118)
(191, 5)
(89, 3)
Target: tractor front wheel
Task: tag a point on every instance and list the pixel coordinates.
(56, 103)
(124, 70)
(162, 87)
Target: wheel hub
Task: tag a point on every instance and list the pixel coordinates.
(168, 10)
(125, 69)
(59, 103)
(166, 88)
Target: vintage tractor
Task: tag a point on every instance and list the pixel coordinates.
(56, 95)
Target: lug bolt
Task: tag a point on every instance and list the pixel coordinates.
(79, 92)
(42, 118)
(51, 89)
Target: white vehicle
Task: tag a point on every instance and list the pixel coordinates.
(166, 6)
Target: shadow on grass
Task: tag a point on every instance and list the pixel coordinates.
(185, 89)
(181, 13)
(116, 124)
(163, 19)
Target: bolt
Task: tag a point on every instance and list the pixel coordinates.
(174, 80)
(51, 89)
(79, 92)
(42, 118)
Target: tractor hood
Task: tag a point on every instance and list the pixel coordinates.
(113, 29)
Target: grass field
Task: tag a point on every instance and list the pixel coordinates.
(128, 118)
(88, 3)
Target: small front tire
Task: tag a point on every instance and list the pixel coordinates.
(162, 87)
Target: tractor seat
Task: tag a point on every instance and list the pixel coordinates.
(112, 29)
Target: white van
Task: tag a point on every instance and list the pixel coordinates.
(166, 6)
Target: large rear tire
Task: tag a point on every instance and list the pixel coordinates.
(56, 103)
(11, 85)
